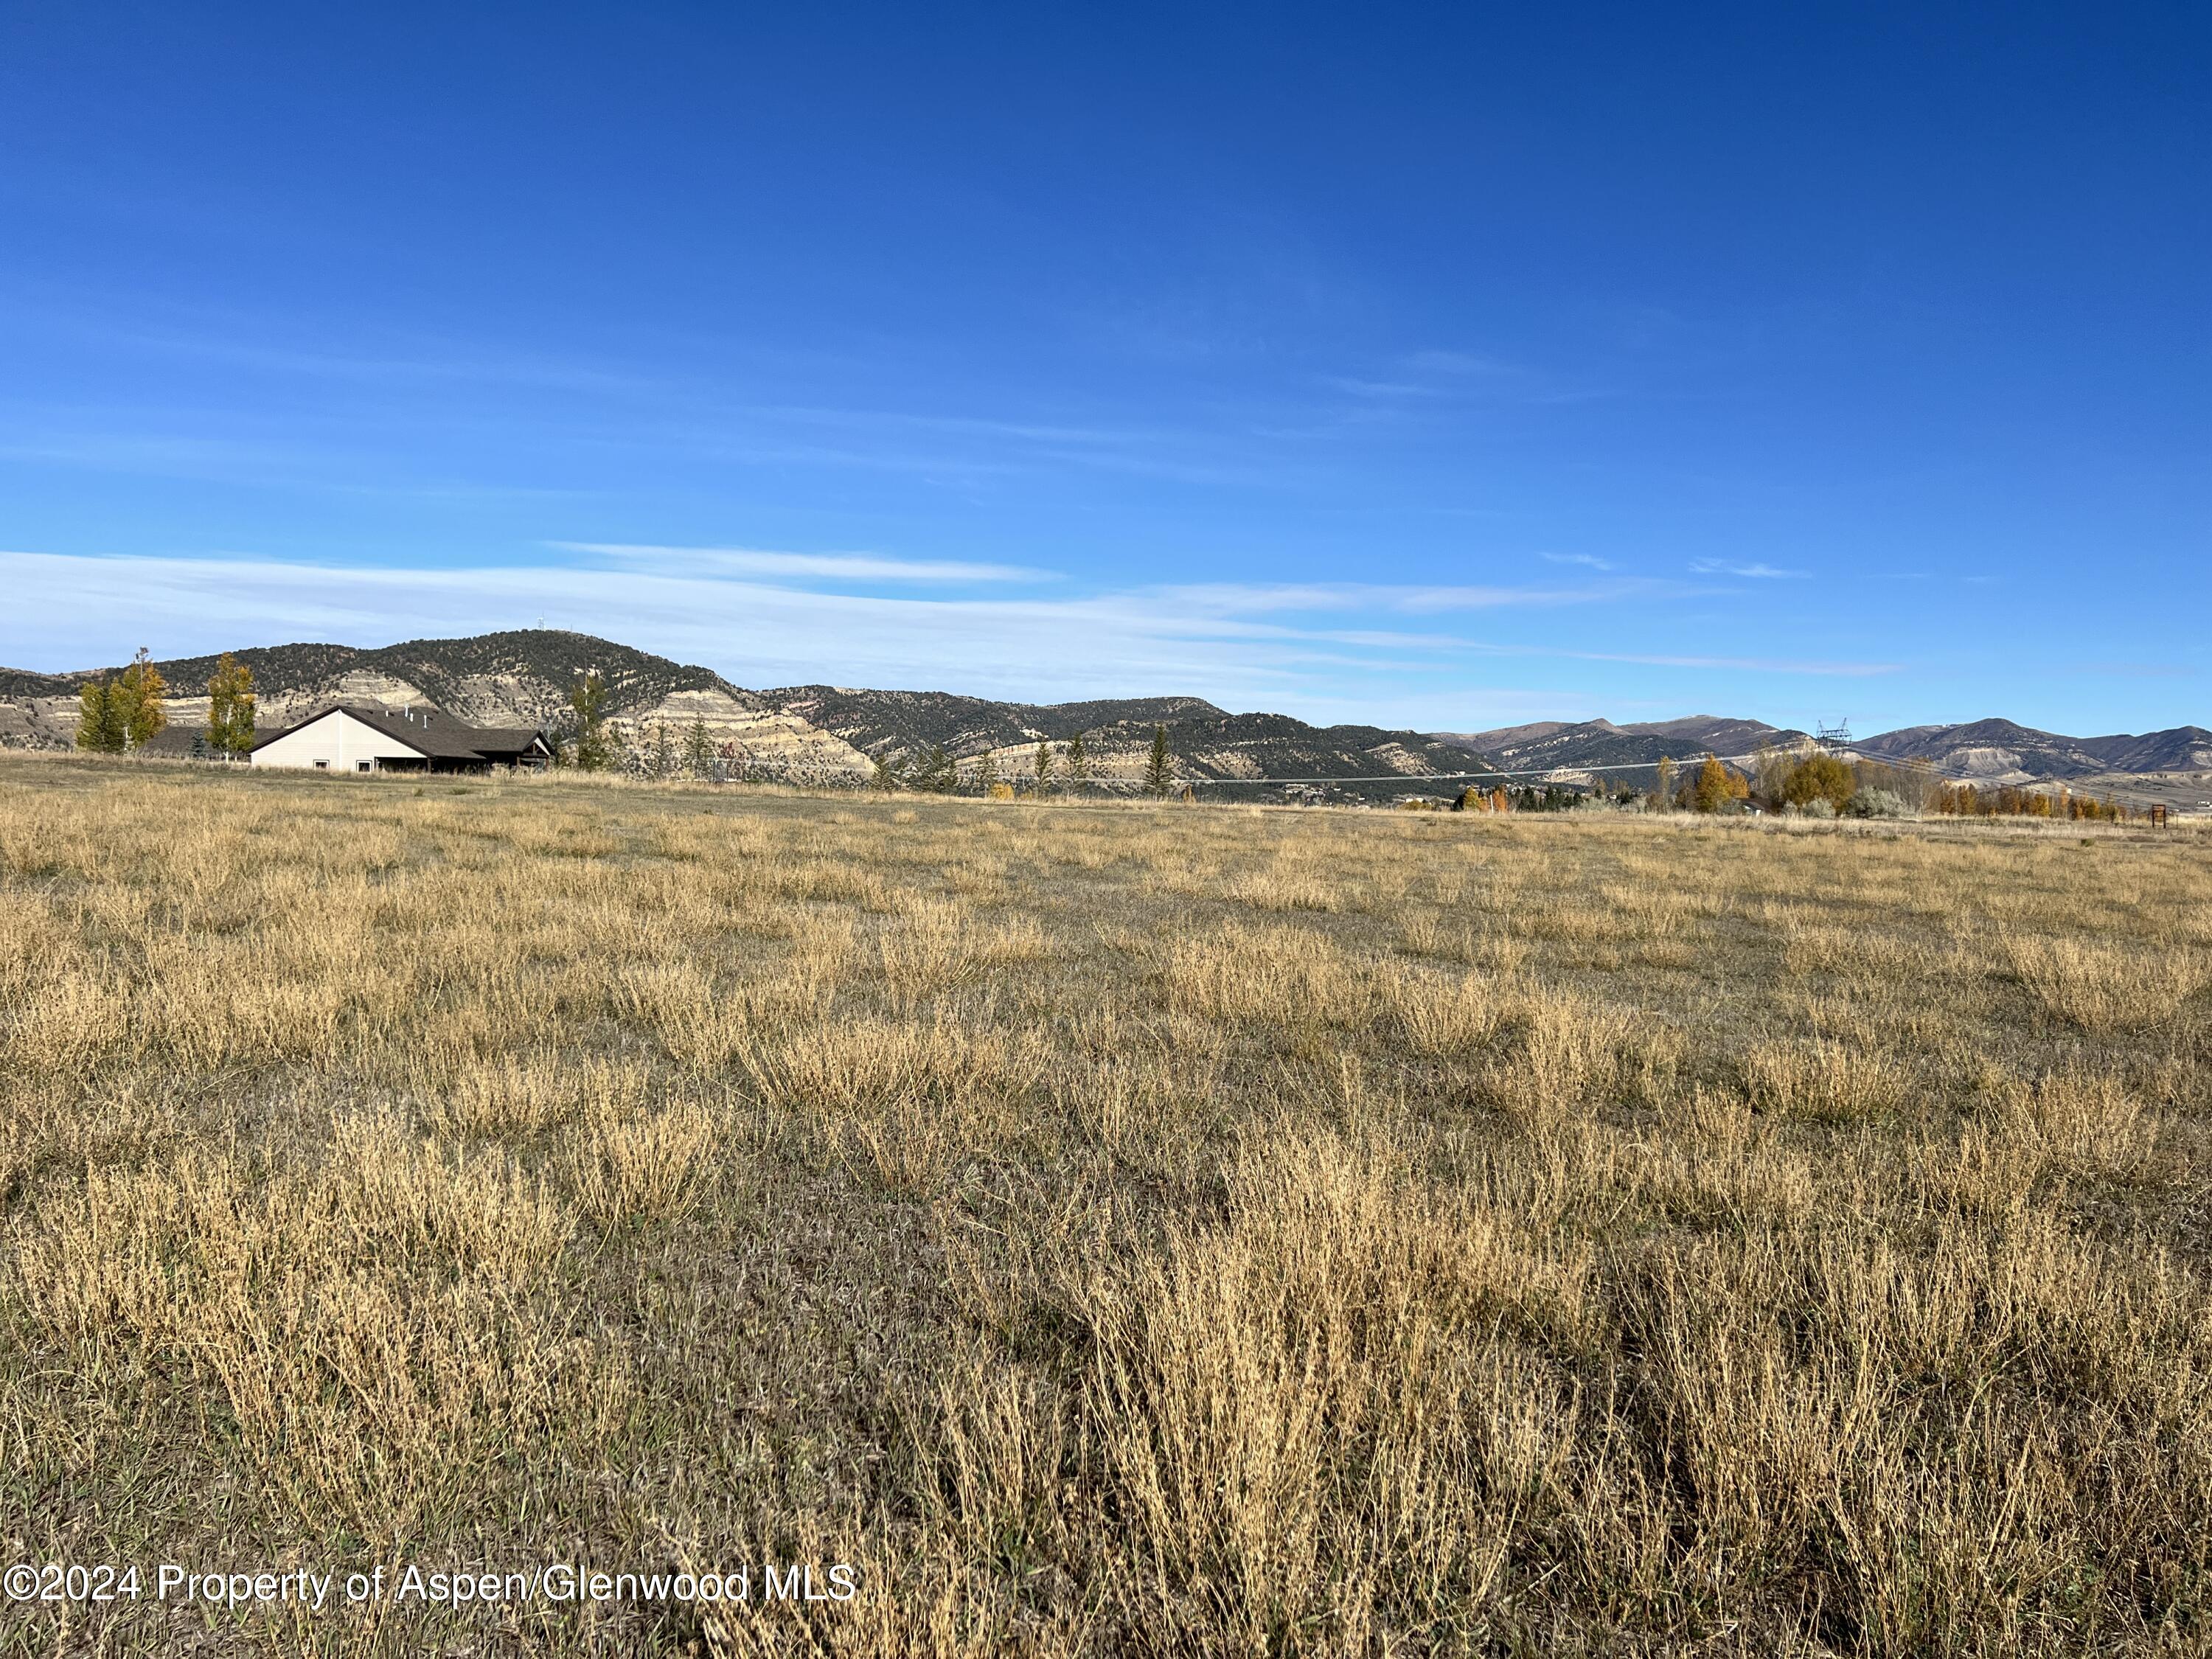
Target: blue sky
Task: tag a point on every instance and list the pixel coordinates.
(1432, 366)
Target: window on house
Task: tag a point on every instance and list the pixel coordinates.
(322, 765)
(362, 766)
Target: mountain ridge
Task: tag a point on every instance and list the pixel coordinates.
(2003, 751)
(522, 676)
(1581, 745)
(806, 732)
(1991, 750)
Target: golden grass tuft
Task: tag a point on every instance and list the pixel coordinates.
(2107, 984)
(1115, 1229)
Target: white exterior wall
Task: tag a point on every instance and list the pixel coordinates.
(337, 739)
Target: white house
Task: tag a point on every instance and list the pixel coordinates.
(363, 738)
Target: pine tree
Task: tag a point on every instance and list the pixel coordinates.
(587, 701)
(98, 720)
(886, 777)
(1159, 773)
(1043, 766)
(230, 707)
(138, 697)
(698, 748)
(1076, 764)
(936, 775)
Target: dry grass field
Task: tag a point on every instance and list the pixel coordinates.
(1111, 1228)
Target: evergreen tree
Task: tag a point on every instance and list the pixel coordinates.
(98, 720)
(587, 703)
(1159, 772)
(886, 777)
(698, 748)
(230, 707)
(936, 775)
(1075, 763)
(1043, 766)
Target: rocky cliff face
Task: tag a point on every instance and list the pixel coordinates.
(34, 719)
(1255, 749)
(904, 726)
(761, 734)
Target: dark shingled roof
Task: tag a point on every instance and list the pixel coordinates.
(430, 731)
(176, 743)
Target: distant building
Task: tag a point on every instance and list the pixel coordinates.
(364, 738)
(179, 743)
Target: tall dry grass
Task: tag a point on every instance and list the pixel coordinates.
(1114, 1230)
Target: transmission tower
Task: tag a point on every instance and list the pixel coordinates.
(1839, 733)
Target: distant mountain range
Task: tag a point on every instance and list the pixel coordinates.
(1575, 745)
(2004, 752)
(1993, 751)
(822, 731)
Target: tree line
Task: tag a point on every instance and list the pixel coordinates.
(1965, 800)
(1814, 784)
(118, 715)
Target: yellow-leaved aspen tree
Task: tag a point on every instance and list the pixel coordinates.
(1712, 791)
(230, 707)
(144, 708)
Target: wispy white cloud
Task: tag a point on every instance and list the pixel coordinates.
(834, 566)
(1453, 362)
(1381, 391)
(271, 461)
(1763, 572)
(1749, 664)
(1252, 598)
(1310, 649)
(1589, 559)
